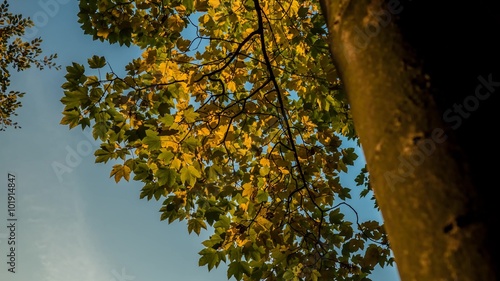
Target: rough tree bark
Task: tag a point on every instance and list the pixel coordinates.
(423, 79)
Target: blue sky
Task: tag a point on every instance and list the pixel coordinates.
(80, 225)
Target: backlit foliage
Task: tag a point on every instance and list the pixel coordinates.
(233, 116)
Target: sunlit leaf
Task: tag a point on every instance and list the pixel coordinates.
(120, 171)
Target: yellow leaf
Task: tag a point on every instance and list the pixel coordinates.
(164, 68)
(299, 49)
(247, 32)
(176, 163)
(214, 3)
(192, 170)
(166, 142)
(295, 7)
(204, 132)
(248, 190)
(284, 171)
(204, 19)
(265, 162)
(153, 167)
(220, 132)
(244, 206)
(120, 171)
(181, 9)
(345, 130)
(103, 33)
(264, 222)
(188, 158)
(231, 86)
(180, 194)
(242, 242)
(264, 171)
(176, 23)
(247, 141)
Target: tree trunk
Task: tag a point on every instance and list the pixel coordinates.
(423, 78)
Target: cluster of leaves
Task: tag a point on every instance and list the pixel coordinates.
(233, 117)
(18, 55)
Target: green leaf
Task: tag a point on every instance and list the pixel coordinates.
(213, 172)
(96, 94)
(152, 140)
(214, 242)
(341, 166)
(209, 257)
(237, 269)
(336, 217)
(372, 255)
(75, 71)
(196, 225)
(75, 98)
(364, 192)
(194, 172)
(190, 115)
(262, 196)
(167, 120)
(102, 155)
(149, 190)
(71, 118)
(166, 156)
(303, 11)
(189, 4)
(288, 275)
(100, 130)
(185, 175)
(346, 230)
(96, 62)
(141, 171)
(213, 214)
(166, 177)
(146, 79)
(349, 156)
(191, 143)
(189, 174)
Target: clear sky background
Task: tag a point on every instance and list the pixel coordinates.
(80, 225)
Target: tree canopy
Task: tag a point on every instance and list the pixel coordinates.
(16, 54)
(234, 116)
